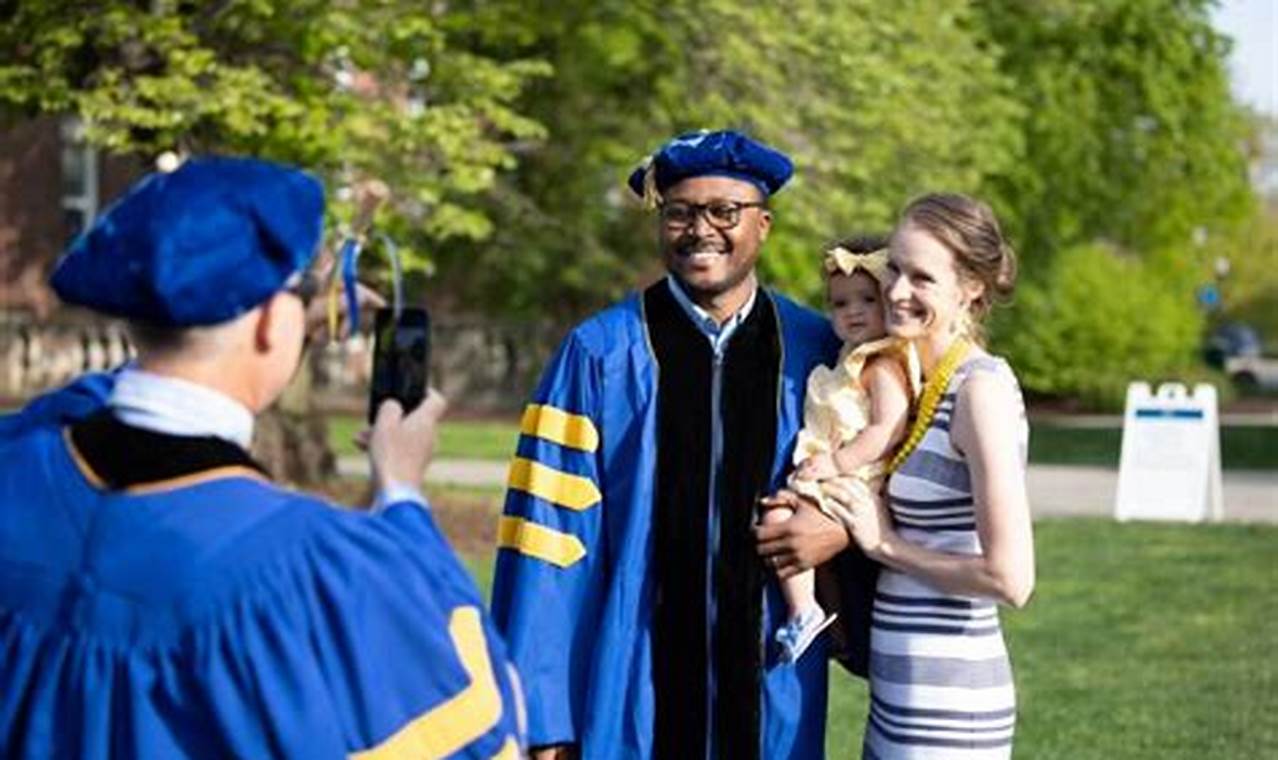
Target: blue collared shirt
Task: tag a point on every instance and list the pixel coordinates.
(717, 334)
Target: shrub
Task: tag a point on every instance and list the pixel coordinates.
(1250, 292)
(1096, 321)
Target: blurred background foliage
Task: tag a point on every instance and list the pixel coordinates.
(1250, 290)
(1095, 320)
(1102, 131)
(347, 88)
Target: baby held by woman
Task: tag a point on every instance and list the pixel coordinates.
(855, 416)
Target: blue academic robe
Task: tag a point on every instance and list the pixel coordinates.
(218, 615)
(574, 587)
(75, 401)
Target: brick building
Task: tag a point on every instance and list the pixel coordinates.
(51, 186)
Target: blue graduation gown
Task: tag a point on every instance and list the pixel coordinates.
(574, 585)
(74, 401)
(218, 615)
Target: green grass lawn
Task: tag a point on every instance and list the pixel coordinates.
(458, 439)
(1241, 447)
(1141, 641)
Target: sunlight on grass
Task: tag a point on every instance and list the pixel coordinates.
(1242, 448)
(1254, 448)
(1142, 640)
(458, 439)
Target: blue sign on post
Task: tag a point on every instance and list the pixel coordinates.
(1208, 297)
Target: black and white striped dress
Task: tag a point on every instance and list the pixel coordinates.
(940, 679)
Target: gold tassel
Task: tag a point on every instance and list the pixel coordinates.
(651, 196)
(334, 315)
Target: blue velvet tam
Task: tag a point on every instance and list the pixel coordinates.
(725, 153)
(197, 246)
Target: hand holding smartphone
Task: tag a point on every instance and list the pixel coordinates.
(401, 358)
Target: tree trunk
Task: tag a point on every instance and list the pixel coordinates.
(291, 438)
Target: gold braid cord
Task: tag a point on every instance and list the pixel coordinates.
(932, 392)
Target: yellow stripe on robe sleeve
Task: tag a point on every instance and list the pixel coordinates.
(558, 426)
(461, 719)
(509, 750)
(538, 541)
(555, 486)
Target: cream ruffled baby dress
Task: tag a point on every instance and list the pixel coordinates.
(836, 409)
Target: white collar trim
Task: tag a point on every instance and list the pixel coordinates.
(179, 407)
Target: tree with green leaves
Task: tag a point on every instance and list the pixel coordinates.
(1134, 169)
(506, 129)
(875, 101)
(1130, 131)
(348, 89)
(1249, 278)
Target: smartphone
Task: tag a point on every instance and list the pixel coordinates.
(401, 358)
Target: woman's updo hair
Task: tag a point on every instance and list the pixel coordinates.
(970, 230)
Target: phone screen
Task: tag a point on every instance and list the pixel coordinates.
(401, 358)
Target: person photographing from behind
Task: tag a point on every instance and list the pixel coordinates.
(160, 597)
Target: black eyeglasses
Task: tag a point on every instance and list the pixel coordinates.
(722, 215)
(305, 285)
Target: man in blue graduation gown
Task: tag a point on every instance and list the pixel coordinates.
(628, 584)
(159, 596)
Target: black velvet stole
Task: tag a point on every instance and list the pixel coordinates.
(748, 407)
(122, 456)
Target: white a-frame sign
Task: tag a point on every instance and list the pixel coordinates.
(1170, 463)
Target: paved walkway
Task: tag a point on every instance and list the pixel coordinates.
(1055, 490)
(480, 473)
(1249, 418)
(1064, 491)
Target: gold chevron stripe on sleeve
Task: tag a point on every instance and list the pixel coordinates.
(555, 486)
(538, 541)
(558, 426)
(508, 751)
(466, 716)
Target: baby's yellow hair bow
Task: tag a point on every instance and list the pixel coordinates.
(842, 261)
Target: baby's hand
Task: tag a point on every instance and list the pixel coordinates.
(818, 467)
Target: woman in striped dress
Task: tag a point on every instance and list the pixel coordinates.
(958, 540)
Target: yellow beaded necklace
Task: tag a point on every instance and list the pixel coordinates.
(931, 398)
